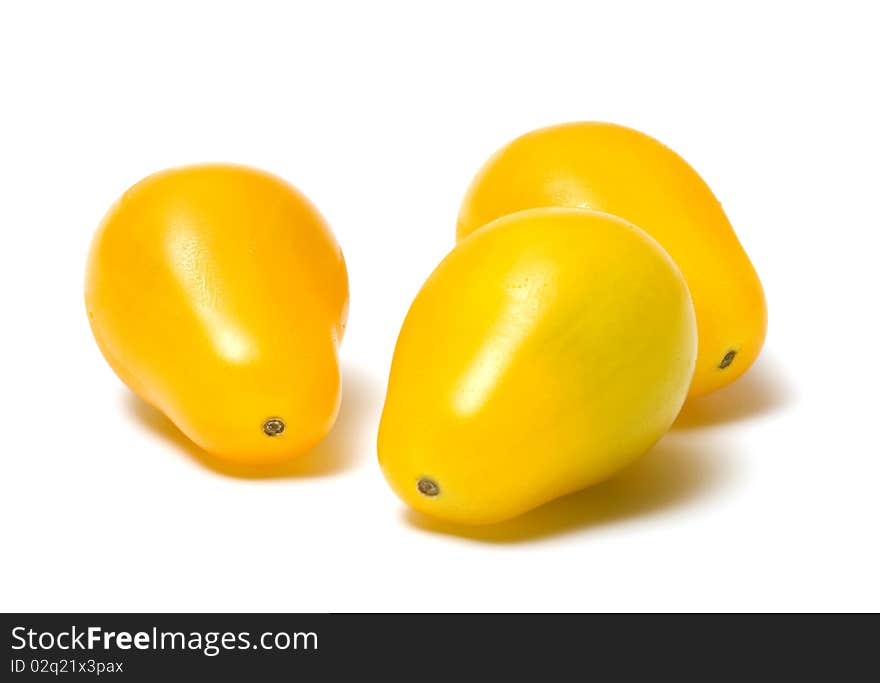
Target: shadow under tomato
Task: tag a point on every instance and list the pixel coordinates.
(760, 391)
(358, 412)
(676, 472)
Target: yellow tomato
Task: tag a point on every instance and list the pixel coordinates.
(547, 351)
(626, 173)
(219, 295)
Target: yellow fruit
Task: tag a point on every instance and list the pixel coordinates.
(219, 295)
(547, 351)
(620, 171)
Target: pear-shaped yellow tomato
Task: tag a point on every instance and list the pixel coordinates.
(620, 171)
(547, 351)
(219, 295)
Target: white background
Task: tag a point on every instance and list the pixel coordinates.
(766, 496)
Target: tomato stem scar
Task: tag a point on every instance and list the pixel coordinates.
(273, 426)
(428, 487)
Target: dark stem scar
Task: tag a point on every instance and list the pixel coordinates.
(428, 487)
(273, 426)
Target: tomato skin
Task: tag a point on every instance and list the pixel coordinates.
(219, 295)
(548, 350)
(626, 173)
